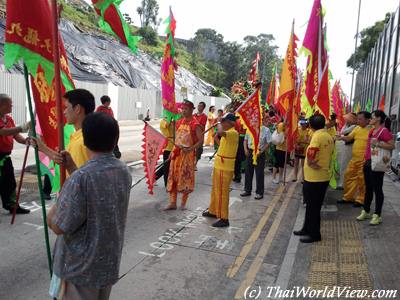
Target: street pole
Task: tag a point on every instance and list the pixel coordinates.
(354, 55)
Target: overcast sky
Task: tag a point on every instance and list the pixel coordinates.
(235, 19)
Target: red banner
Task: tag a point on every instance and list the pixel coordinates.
(153, 145)
(250, 114)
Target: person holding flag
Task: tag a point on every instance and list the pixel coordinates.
(223, 171)
(79, 103)
(8, 133)
(183, 157)
(265, 140)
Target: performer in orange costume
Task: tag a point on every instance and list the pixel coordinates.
(188, 138)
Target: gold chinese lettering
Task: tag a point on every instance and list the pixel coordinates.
(53, 117)
(31, 37)
(46, 44)
(46, 92)
(15, 29)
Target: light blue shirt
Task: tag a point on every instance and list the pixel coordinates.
(265, 138)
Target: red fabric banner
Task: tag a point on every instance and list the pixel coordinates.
(250, 114)
(153, 145)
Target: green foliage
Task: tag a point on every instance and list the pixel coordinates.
(216, 92)
(149, 35)
(83, 18)
(369, 36)
(148, 13)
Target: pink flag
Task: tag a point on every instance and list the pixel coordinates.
(154, 144)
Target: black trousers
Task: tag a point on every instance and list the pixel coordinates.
(259, 169)
(239, 159)
(199, 152)
(46, 185)
(8, 184)
(314, 194)
(164, 170)
(373, 185)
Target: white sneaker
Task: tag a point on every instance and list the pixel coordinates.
(276, 181)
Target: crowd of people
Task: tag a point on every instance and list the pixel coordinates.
(90, 213)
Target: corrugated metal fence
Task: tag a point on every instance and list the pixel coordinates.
(127, 103)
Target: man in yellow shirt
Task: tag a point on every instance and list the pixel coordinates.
(302, 142)
(78, 104)
(316, 179)
(354, 184)
(167, 129)
(224, 167)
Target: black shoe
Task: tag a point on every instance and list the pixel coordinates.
(237, 180)
(221, 223)
(245, 194)
(208, 215)
(19, 211)
(357, 204)
(47, 196)
(309, 239)
(258, 197)
(300, 232)
(343, 202)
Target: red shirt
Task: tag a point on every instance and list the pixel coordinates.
(6, 141)
(107, 110)
(201, 119)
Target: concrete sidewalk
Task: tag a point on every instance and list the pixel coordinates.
(178, 255)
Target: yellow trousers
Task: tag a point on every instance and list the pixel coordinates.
(219, 200)
(354, 185)
(173, 196)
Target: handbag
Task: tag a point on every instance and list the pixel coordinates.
(277, 138)
(380, 158)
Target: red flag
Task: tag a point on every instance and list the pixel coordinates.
(253, 75)
(30, 39)
(250, 114)
(382, 103)
(153, 145)
(293, 120)
(338, 104)
(111, 21)
(317, 73)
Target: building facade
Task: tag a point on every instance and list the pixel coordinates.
(380, 74)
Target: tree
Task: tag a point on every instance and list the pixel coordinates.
(148, 13)
(263, 44)
(369, 36)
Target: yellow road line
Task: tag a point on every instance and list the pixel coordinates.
(259, 259)
(234, 268)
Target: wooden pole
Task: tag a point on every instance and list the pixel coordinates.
(57, 79)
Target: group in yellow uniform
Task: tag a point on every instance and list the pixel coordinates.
(224, 167)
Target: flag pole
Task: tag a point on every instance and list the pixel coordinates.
(21, 179)
(39, 175)
(57, 79)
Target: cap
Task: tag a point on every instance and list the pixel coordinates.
(229, 117)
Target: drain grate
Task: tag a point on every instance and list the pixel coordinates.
(339, 259)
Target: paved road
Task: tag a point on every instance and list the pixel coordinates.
(178, 255)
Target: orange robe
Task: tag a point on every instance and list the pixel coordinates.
(181, 171)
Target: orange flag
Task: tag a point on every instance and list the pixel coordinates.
(287, 87)
(382, 103)
(287, 91)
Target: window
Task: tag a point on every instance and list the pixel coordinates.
(396, 87)
(382, 85)
(393, 47)
(389, 82)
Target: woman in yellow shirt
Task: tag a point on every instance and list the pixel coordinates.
(280, 153)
